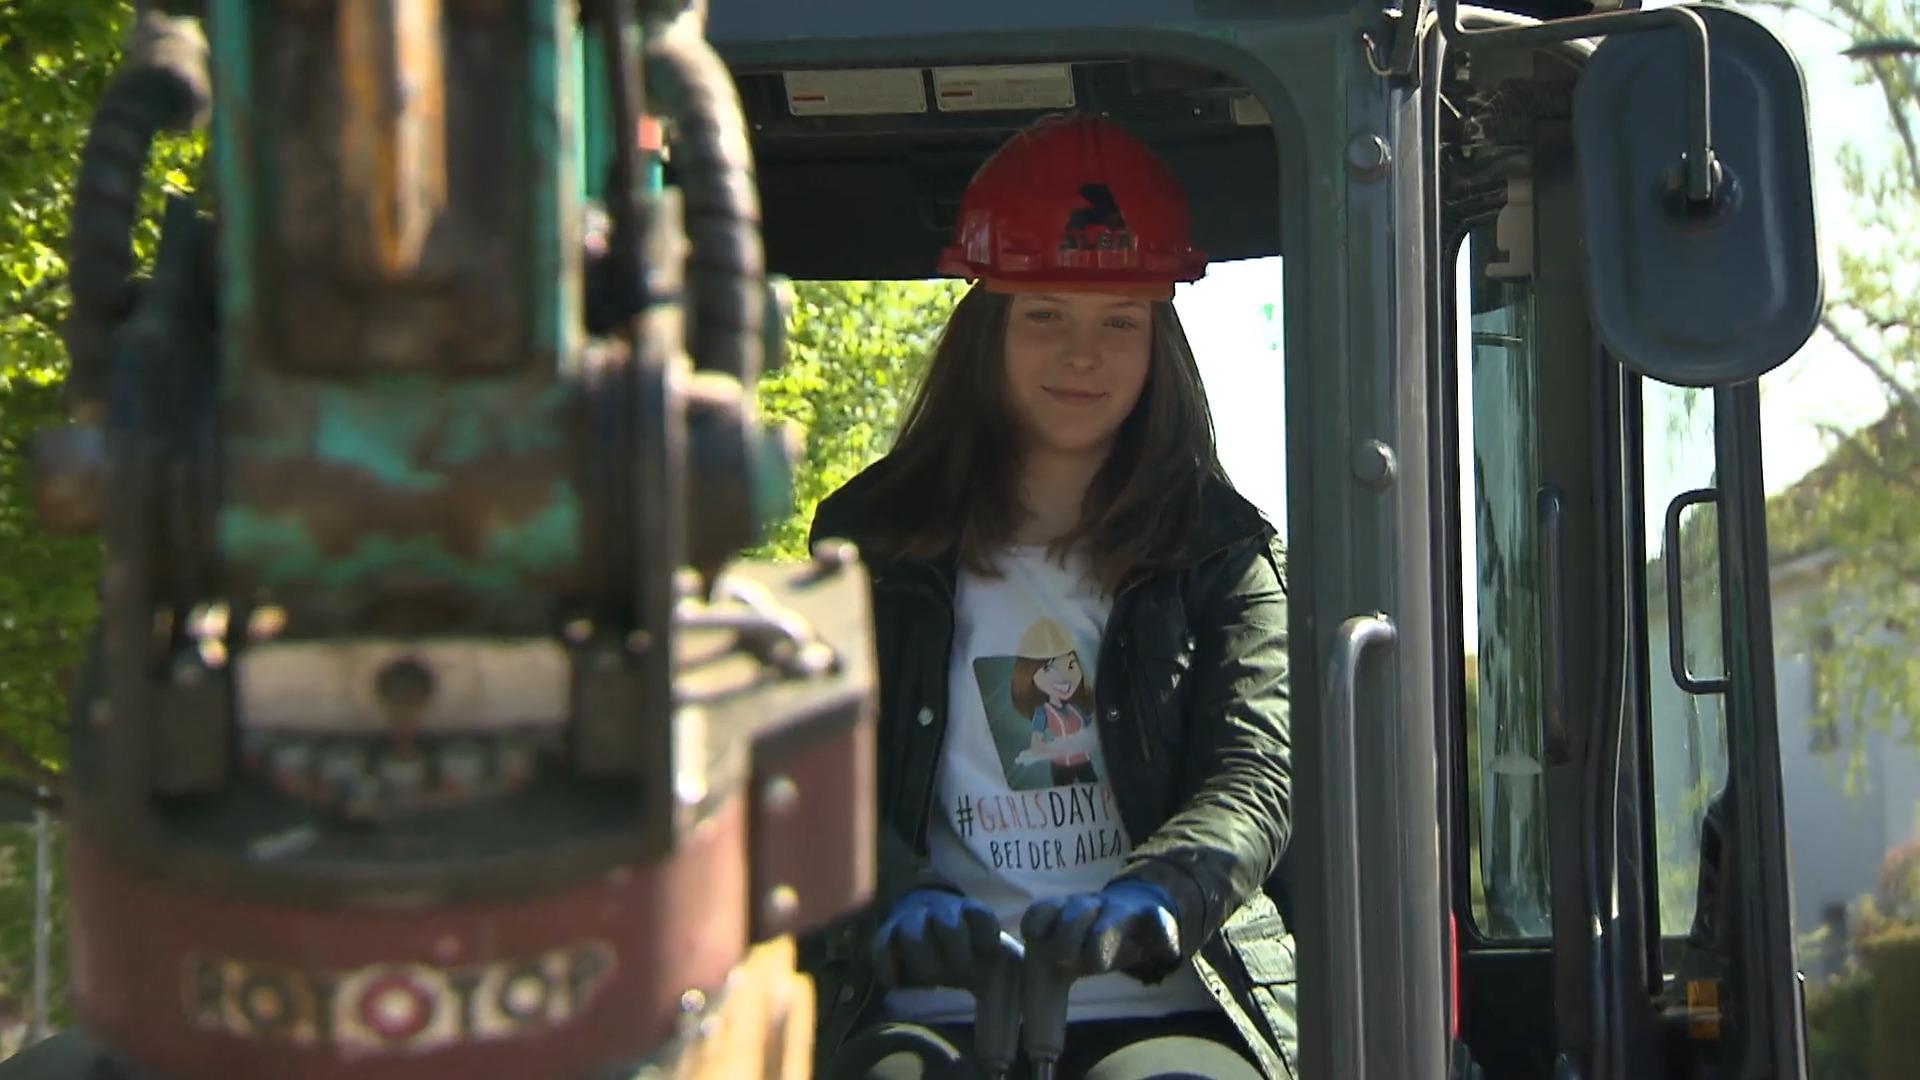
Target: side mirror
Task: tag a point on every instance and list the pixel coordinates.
(1698, 294)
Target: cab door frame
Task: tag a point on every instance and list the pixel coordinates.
(1619, 1009)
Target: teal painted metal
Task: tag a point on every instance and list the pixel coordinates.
(490, 455)
(233, 156)
(597, 145)
(597, 133)
(544, 544)
(284, 552)
(553, 271)
(456, 486)
(590, 146)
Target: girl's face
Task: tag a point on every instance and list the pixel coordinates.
(1076, 363)
(1059, 677)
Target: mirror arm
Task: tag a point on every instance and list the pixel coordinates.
(1701, 172)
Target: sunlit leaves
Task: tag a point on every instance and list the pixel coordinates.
(855, 352)
(56, 59)
(1856, 519)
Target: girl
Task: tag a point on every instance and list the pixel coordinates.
(1054, 499)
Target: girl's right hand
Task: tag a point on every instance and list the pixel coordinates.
(934, 937)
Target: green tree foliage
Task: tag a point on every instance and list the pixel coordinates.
(17, 860)
(855, 351)
(56, 59)
(1861, 509)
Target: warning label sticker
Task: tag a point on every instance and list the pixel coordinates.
(863, 92)
(1249, 112)
(1007, 86)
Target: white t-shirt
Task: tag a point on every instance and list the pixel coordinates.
(1023, 807)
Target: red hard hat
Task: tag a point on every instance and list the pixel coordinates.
(1077, 204)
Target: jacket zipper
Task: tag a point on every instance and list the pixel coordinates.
(1133, 691)
(1133, 696)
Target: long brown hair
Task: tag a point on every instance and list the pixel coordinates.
(951, 485)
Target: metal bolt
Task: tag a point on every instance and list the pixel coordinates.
(266, 622)
(639, 642)
(780, 795)
(924, 717)
(693, 1001)
(781, 908)
(208, 621)
(213, 653)
(815, 659)
(1374, 464)
(404, 684)
(577, 630)
(832, 556)
(1368, 156)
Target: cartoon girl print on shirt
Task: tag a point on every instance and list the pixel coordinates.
(1051, 690)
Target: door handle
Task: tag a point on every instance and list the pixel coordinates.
(1676, 610)
(1356, 637)
(1550, 509)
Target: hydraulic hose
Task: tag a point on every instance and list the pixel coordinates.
(713, 163)
(164, 86)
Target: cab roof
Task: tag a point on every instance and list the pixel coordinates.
(869, 116)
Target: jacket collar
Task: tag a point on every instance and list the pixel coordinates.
(1226, 519)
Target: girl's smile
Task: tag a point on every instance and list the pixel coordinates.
(1070, 397)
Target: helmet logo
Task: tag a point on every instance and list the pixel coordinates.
(1098, 225)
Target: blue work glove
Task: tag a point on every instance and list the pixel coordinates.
(933, 937)
(1127, 926)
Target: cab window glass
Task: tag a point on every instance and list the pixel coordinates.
(1687, 728)
(1496, 366)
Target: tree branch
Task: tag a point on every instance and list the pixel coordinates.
(1897, 113)
(28, 766)
(1864, 26)
(31, 795)
(1858, 445)
(1907, 398)
(1802, 9)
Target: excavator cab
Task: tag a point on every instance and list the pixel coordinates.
(1528, 260)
